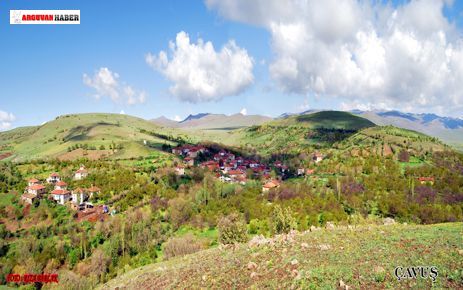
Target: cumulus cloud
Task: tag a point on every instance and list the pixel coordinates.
(106, 84)
(362, 52)
(6, 120)
(244, 111)
(177, 118)
(199, 73)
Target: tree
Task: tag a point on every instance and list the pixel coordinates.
(232, 229)
(283, 220)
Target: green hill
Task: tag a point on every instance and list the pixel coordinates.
(328, 120)
(362, 258)
(296, 133)
(390, 140)
(96, 135)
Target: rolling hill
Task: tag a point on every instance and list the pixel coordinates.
(390, 140)
(295, 133)
(206, 121)
(93, 134)
(449, 130)
(363, 257)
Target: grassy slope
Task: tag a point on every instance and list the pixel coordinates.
(291, 134)
(364, 258)
(396, 138)
(54, 137)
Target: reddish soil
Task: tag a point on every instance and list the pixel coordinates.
(5, 155)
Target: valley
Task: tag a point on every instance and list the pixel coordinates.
(111, 200)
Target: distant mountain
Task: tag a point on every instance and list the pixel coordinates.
(204, 121)
(194, 117)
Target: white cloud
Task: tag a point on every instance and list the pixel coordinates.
(106, 83)
(6, 120)
(409, 56)
(200, 73)
(122, 112)
(244, 111)
(177, 118)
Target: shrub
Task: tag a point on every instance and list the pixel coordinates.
(181, 246)
(232, 229)
(282, 220)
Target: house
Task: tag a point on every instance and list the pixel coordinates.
(28, 198)
(61, 185)
(81, 173)
(193, 153)
(180, 170)
(300, 171)
(79, 196)
(32, 182)
(53, 178)
(177, 151)
(93, 190)
(36, 189)
(234, 174)
(189, 161)
(270, 185)
(61, 196)
(317, 157)
(425, 180)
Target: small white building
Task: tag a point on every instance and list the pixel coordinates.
(79, 196)
(180, 170)
(36, 189)
(32, 182)
(81, 173)
(61, 196)
(53, 178)
(61, 185)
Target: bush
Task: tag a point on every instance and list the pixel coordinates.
(180, 246)
(232, 229)
(282, 220)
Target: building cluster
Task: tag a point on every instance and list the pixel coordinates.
(77, 199)
(235, 169)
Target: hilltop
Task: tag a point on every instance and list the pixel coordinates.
(449, 130)
(390, 140)
(295, 133)
(95, 134)
(207, 121)
(363, 257)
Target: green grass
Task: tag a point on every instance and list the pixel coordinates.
(6, 198)
(363, 258)
(53, 138)
(335, 120)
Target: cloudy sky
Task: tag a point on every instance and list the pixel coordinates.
(174, 58)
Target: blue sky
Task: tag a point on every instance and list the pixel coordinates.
(43, 66)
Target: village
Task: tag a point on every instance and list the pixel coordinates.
(77, 199)
(237, 169)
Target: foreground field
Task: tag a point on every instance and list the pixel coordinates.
(361, 258)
